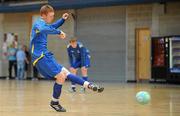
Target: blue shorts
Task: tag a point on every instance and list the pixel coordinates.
(77, 64)
(48, 66)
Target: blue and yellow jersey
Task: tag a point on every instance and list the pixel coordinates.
(39, 33)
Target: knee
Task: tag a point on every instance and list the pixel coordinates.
(84, 71)
(60, 78)
(65, 72)
(73, 70)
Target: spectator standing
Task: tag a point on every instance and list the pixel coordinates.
(12, 60)
(28, 59)
(21, 58)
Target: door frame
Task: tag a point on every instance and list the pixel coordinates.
(137, 52)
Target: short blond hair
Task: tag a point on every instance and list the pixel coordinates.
(73, 40)
(45, 9)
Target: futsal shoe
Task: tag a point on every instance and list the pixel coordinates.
(72, 90)
(82, 90)
(56, 106)
(96, 88)
(92, 87)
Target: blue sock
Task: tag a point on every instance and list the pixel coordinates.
(75, 79)
(57, 90)
(85, 78)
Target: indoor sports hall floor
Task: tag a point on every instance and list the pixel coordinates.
(31, 98)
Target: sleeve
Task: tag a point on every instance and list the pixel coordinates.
(24, 55)
(16, 54)
(8, 52)
(58, 23)
(70, 56)
(83, 55)
(48, 29)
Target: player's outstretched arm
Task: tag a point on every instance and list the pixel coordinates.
(48, 29)
(61, 21)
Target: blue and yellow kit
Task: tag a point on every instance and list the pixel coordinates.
(42, 58)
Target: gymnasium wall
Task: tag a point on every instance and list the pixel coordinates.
(102, 30)
(161, 19)
(169, 21)
(137, 16)
(1, 40)
(58, 46)
(109, 33)
(20, 23)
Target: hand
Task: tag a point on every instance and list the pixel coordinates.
(27, 62)
(65, 16)
(62, 35)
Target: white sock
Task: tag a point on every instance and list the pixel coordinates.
(85, 85)
(55, 100)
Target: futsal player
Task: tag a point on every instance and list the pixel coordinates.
(44, 60)
(79, 57)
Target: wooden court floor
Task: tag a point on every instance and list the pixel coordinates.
(31, 98)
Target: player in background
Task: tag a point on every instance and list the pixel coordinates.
(79, 57)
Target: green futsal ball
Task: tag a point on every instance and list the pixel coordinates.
(143, 97)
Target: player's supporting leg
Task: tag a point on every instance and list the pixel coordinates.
(60, 78)
(73, 85)
(84, 72)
